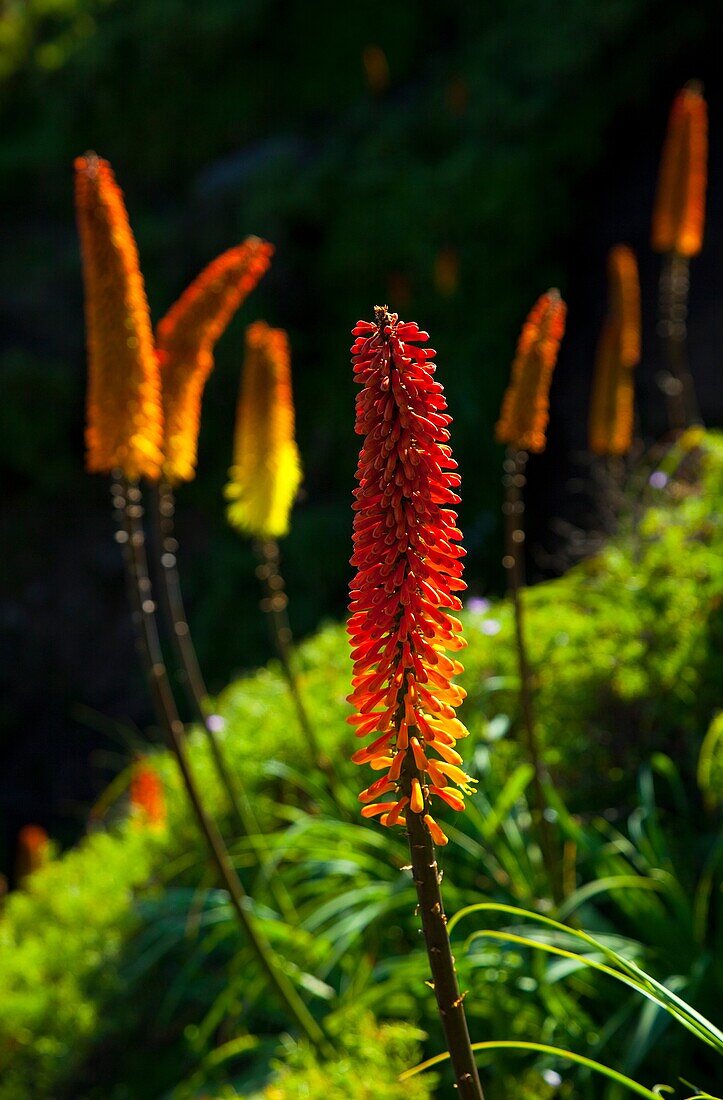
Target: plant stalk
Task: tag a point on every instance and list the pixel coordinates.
(514, 511)
(163, 513)
(450, 1001)
(149, 647)
(275, 604)
(677, 382)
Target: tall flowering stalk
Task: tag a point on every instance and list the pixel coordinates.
(618, 353)
(677, 233)
(124, 427)
(409, 571)
(117, 325)
(263, 484)
(186, 340)
(125, 406)
(523, 426)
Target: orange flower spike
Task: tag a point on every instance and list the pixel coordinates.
(146, 793)
(186, 338)
(124, 416)
(618, 352)
(624, 301)
(525, 406)
(33, 851)
(266, 473)
(408, 571)
(679, 211)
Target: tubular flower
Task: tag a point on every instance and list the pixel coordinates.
(618, 352)
(266, 473)
(525, 406)
(146, 793)
(124, 417)
(186, 337)
(32, 851)
(408, 575)
(679, 211)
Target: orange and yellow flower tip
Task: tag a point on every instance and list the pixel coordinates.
(186, 338)
(525, 406)
(146, 793)
(408, 573)
(266, 473)
(33, 850)
(618, 353)
(124, 415)
(679, 211)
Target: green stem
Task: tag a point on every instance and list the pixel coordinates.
(514, 510)
(450, 1002)
(677, 382)
(163, 513)
(144, 619)
(275, 605)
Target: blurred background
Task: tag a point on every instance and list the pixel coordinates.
(451, 159)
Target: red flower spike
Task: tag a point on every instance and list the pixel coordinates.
(146, 793)
(408, 573)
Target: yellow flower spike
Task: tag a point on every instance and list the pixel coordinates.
(186, 338)
(124, 428)
(266, 473)
(612, 398)
(679, 212)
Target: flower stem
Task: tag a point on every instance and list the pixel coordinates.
(514, 511)
(677, 382)
(144, 619)
(275, 605)
(439, 950)
(163, 512)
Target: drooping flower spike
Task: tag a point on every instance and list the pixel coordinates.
(266, 473)
(186, 338)
(146, 793)
(409, 571)
(124, 416)
(618, 353)
(679, 211)
(525, 406)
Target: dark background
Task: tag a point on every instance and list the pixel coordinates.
(453, 159)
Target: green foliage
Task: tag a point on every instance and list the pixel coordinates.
(371, 1059)
(122, 972)
(64, 931)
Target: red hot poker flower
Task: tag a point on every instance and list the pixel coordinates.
(526, 407)
(146, 793)
(186, 339)
(409, 571)
(679, 212)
